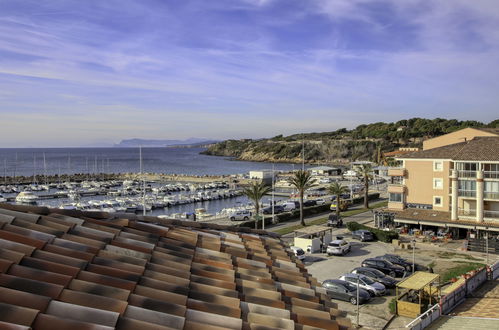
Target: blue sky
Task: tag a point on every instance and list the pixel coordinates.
(92, 72)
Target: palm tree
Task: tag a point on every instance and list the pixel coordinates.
(255, 192)
(365, 171)
(302, 180)
(337, 189)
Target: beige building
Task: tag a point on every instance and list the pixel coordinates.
(454, 179)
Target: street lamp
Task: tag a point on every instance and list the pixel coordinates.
(413, 254)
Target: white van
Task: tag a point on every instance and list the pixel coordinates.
(299, 253)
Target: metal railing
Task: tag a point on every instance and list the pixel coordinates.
(466, 212)
(491, 174)
(466, 174)
(466, 193)
(425, 319)
(490, 214)
(490, 195)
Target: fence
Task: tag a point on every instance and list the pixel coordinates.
(454, 298)
(480, 245)
(494, 271)
(425, 319)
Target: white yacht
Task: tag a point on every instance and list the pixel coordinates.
(26, 197)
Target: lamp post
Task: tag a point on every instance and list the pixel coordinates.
(358, 305)
(413, 254)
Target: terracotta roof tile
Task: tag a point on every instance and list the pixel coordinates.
(51, 322)
(93, 271)
(17, 314)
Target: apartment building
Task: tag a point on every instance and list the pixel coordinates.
(453, 180)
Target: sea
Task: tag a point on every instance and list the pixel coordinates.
(188, 161)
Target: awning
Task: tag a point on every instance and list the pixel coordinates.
(418, 280)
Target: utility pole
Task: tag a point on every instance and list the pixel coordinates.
(358, 303)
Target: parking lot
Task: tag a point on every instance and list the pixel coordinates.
(323, 267)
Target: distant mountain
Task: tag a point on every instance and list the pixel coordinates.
(161, 143)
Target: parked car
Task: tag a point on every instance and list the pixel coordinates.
(299, 253)
(334, 221)
(240, 215)
(320, 201)
(397, 260)
(363, 235)
(289, 206)
(309, 202)
(338, 289)
(387, 281)
(338, 247)
(384, 266)
(374, 288)
(277, 209)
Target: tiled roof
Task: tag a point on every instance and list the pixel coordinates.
(73, 270)
(478, 149)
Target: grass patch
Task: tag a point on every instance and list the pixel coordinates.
(321, 221)
(452, 255)
(459, 270)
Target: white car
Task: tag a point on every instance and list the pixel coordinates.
(374, 288)
(320, 201)
(338, 247)
(299, 253)
(240, 215)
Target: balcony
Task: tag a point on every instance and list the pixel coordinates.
(467, 193)
(490, 195)
(466, 174)
(491, 214)
(466, 212)
(396, 171)
(396, 188)
(491, 174)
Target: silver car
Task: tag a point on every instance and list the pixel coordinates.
(374, 288)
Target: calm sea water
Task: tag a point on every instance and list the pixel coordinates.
(29, 161)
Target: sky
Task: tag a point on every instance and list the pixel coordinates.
(81, 73)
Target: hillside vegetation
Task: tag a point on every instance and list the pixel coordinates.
(342, 145)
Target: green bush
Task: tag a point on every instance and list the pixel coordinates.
(381, 235)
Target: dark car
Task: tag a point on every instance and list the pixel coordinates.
(334, 221)
(309, 203)
(385, 266)
(397, 260)
(277, 209)
(376, 275)
(363, 235)
(342, 290)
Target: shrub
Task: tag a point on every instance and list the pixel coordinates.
(381, 235)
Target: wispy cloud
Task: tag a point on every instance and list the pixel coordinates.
(244, 68)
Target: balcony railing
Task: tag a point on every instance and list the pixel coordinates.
(491, 195)
(491, 174)
(491, 214)
(467, 212)
(466, 174)
(466, 193)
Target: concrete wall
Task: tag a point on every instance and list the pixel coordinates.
(454, 137)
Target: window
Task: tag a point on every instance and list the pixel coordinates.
(438, 183)
(438, 166)
(491, 190)
(395, 197)
(466, 188)
(437, 200)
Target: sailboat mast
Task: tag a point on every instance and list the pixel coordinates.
(34, 168)
(143, 184)
(44, 168)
